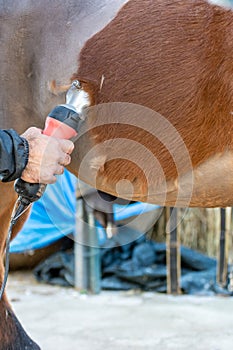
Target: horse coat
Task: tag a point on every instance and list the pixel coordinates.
(159, 74)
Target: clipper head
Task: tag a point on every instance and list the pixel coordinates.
(77, 98)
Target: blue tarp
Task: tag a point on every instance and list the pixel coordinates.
(53, 216)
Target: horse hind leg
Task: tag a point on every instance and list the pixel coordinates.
(12, 334)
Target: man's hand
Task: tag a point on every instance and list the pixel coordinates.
(47, 156)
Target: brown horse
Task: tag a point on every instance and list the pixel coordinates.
(159, 76)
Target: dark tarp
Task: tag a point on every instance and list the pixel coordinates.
(137, 265)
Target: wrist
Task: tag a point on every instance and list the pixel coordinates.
(18, 153)
(26, 151)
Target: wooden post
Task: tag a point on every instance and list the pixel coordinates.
(173, 252)
(222, 267)
(86, 251)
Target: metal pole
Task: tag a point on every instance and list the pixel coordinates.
(222, 267)
(86, 250)
(173, 252)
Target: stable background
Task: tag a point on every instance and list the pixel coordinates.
(62, 317)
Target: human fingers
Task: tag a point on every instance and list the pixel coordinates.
(65, 160)
(49, 177)
(59, 170)
(67, 146)
(51, 180)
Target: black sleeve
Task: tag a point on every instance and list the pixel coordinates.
(14, 152)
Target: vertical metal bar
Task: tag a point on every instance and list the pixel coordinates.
(94, 256)
(222, 268)
(173, 252)
(86, 251)
(80, 266)
(222, 243)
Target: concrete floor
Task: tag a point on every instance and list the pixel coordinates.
(62, 319)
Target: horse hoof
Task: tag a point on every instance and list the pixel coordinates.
(12, 334)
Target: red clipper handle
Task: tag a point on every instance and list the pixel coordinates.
(56, 128)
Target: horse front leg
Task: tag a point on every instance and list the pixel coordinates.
(12, 334)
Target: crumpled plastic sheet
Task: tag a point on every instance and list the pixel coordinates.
(138, 265)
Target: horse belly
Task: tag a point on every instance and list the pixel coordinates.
(172, 63)
(209, 185)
